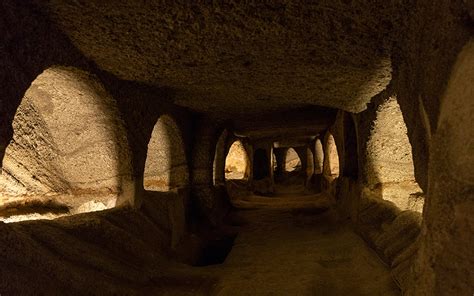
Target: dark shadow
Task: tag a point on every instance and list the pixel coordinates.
(351, 159)
(261, 168)
(219, 159)
(216, 251)
(279, 168)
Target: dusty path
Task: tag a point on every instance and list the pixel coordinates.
(300, 252)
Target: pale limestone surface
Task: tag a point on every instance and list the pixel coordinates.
(237, 164)
(389, 169)
(68, 145)
(292, 160)
(166, 165)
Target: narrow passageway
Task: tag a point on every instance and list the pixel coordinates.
(291, 186)
(237, 147)
(300, 252)
(285, 196)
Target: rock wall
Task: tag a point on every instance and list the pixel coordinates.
(444, 265)
(388, 170)
(36, 47)
(29, 163)
(432, 38)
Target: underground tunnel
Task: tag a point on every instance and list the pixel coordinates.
(237, 148)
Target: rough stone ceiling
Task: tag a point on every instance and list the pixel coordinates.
(297, 124)
(233, 58)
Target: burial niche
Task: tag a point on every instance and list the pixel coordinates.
(165, 166)
(69, 152)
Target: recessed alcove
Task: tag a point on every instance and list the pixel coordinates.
(390, 169)
(165, 166)
(69, 152)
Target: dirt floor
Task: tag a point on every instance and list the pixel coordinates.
(294, 244)
(300, 252)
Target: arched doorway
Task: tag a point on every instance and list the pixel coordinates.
(166, 165)
(237, 163)
(447, 242)
(69, 153)
(331, 158)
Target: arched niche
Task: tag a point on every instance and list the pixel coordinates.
(218, 166)
(166, 165)
(389, 163)
(292, 162)
(318, 156)
(237, 163)
(69, 153)
(331, 158)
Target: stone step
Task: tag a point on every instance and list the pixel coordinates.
(406, 222)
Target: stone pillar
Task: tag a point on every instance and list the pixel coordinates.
(280, 162)
(262, 168)
(249, 150)
(444, 265)
(207, 199)
(301, 151)
(219, 159)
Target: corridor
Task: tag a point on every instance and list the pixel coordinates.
(281, 147)
(301, 252)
